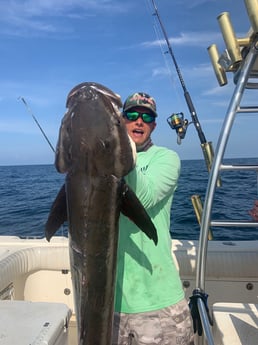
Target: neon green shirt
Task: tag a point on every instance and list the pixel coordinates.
(147, 278)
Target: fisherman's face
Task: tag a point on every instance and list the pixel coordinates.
(139, 130)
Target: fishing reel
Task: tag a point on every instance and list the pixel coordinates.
(177, 122)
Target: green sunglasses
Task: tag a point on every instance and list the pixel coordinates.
(134, 115)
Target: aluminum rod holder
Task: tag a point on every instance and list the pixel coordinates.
(252, 11)
(209, 154)
(229, 37)
(219, 71)
(197, 205)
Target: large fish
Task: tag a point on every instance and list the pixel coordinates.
(95, 152)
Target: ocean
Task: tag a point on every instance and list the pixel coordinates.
(27, 193)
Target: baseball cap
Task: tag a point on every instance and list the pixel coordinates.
(140, 99)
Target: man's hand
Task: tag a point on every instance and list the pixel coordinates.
(254, 211)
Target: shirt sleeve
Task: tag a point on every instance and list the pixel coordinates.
(158, 180)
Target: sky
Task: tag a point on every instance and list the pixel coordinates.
(50, 46)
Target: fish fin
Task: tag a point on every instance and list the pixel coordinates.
(133, 209)
(57, 215)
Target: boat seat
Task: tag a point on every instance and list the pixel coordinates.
(235, 323)
(34, 323)
(28, 260)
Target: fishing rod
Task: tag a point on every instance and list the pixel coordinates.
(177, 121)
(37, 123)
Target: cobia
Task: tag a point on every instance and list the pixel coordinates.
(95, 152)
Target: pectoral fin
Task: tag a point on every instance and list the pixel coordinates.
(133, 209)
(57, 215)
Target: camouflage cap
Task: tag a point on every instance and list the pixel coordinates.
(140, 99)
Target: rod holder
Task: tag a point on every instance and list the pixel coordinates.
(197, 205)
(219, 71)
(229, 37)
(252, 11)
(208, 153)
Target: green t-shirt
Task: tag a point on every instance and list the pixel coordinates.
(147, 278)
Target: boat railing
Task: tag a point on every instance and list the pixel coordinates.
(241, 58)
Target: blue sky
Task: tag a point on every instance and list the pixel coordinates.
(49, 46)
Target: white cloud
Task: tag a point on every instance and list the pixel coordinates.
(33, 8)
(38, 16)
(197, 39)
(160, 71)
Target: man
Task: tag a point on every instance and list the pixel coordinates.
(254, 211)
(150, 307)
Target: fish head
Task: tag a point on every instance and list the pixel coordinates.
(92, 136)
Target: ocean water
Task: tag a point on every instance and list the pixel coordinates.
(27, 193)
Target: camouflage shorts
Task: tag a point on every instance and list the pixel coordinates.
(168, 326)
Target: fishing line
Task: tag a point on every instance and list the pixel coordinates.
(63, 229)
(177, 121)
(170, 72)
(37, 123)
(186, 93)
(160, 41)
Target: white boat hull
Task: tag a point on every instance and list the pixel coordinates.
(33, 270)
